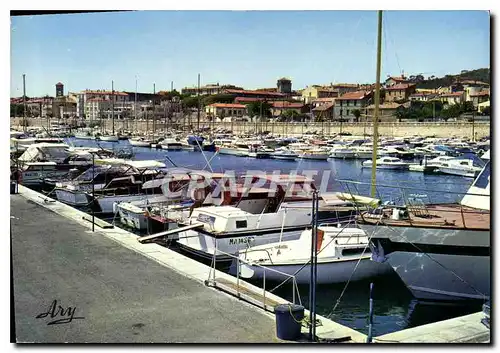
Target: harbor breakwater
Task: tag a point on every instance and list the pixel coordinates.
(393, 129)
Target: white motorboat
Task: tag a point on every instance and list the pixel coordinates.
(467, 167)
(387, 163)
(363, 152)
(139, 142)
(171, 144)
(115, 180)
(396, 151)
(314, 153)
(342, 152)
(85, 134)
(437, 161)
(284, 153)
(169, 206)
(109, 138)
(343, 254)
(261, 216)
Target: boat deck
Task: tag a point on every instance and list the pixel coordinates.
(436, 216)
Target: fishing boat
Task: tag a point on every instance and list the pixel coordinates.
(440, 251)
(263, 215)
(281, 209)
(343, 254)
(387, 163)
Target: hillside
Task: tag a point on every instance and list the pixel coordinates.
(482, 75)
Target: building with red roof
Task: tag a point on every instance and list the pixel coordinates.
(223, 110)
(399, 92)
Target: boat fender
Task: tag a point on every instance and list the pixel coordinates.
(114, 207)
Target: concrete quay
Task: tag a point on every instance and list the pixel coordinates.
(130, 292)
(463, 329)
(122, 296)
(390, 129)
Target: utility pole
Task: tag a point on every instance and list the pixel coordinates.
(377, 105)
(198, 117)
(24, 102)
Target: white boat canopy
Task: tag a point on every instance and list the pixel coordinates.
(135, 164)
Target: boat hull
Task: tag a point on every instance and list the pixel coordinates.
(233, 152)
(109, 138)
(387, 166)
(284, 157)
(343, 155)
(107, 203)
(172, 147)
(139, 143)
(318, 157)
(436, 264)
(459, 172)
(73, 198)
(327, 272)
(205, 245)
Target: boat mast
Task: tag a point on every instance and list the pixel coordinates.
(377, 104)
(198, 114)
(135, 104)
(24, 103)
(113, 107)
(154, 112)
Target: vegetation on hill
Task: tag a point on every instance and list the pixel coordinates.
(425, 110)
(433, 82)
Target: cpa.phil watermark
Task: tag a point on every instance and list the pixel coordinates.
(200, 185)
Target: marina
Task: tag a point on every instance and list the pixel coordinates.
(219, 214)
(396, 309)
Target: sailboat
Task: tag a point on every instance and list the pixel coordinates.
(113, 137)
(343, 252)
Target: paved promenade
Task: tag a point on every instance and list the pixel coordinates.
(122, 296)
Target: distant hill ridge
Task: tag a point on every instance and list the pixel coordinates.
(432, 82)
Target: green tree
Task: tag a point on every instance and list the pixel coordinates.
(356, 113)
(218, 98)
(17, 110)
(452, 111)
(402, 113)
(290, 114)
(190, 102)
(258, 108)
(486, 111)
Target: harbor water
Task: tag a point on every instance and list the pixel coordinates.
(394, 307)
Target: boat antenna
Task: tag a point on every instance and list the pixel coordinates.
(377, 104)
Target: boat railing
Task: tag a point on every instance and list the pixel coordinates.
(243, 291)
(414, 201)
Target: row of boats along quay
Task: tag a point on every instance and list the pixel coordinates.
(343, 238)
(415, 248)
